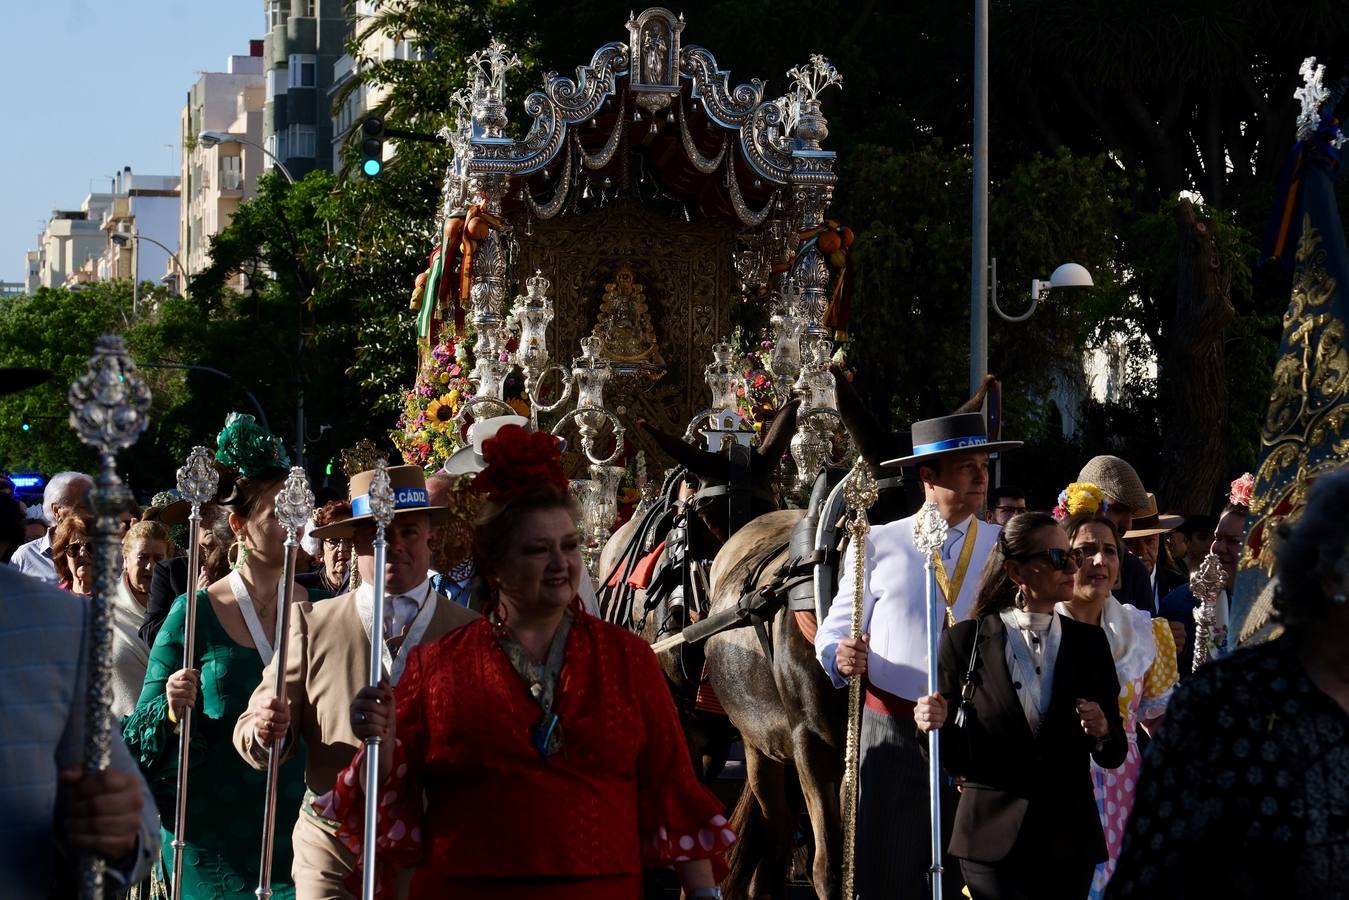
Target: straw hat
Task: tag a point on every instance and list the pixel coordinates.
(943, 436)
(409, 492)
(1147, 522)
(1118, 480)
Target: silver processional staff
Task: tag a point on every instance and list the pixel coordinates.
(294, 506)
(197, 483)
(109, 408)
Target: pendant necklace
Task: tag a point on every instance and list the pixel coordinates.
(541, 680)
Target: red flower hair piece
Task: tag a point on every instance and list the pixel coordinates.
(519, 461)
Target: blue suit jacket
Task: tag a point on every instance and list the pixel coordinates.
(43, 646)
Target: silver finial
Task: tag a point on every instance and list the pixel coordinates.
(929, 531)
(810, 79)
(1207, 580)
(198, 478)
(381, 496)
(1312, 94)
(109, 404)
(295, 501)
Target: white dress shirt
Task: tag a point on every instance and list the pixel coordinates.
(399, 609)
(895, 602)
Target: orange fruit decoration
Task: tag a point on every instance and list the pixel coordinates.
(847, 237)
(830, 242)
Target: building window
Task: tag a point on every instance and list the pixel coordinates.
(311, 8)
(304, 69)
(301, 142)
(231, 173)
(277, 13)
(273, 83)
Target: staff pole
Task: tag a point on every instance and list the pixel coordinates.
(197, 483)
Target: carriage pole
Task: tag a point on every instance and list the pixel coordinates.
(929, 534)
(860, 494)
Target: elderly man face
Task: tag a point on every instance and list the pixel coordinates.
(1227, 541)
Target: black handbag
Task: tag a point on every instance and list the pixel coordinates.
(967, 684)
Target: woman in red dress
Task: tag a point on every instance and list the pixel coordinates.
(537, 752)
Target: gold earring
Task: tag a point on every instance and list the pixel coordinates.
(237, 554)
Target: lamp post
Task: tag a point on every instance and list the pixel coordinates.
(121, 238)
(257, 407)
(1068, 275)
(214, 139)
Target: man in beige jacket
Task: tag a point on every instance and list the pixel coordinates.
(328, 660)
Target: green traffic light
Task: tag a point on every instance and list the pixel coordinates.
(372, 167)
(26, 427)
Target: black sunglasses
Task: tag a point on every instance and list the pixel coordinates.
(1058, 559)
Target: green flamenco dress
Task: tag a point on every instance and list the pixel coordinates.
(225, 794)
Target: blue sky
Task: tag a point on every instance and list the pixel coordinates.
(91, 86)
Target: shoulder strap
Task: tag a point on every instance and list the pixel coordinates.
(967, 683)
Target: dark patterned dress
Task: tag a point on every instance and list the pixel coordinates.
(1245, 791)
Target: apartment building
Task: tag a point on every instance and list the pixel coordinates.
(304, 40)
(217, 179)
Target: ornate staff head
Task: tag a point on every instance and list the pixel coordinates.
(1207, 580)
(381, 497)
(294, 503)
(109, 404)
(929, 531)
(198, 477)
(860, 493)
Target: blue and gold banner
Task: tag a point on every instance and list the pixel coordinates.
(1306, 432)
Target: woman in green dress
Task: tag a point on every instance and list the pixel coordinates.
(236, 620)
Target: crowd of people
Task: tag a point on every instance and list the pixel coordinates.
(1086, 755)
(534, 751)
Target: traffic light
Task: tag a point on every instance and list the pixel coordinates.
(372, 146)
(26, 426)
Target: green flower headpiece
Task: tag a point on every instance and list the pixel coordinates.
(249, 448)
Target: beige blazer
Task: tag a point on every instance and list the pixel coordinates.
(327, 662)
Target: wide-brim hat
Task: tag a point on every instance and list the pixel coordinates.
(16, 379)
(409, 495)
(1118, 481)
(947, 435)
(1149, 522)
(468, 460)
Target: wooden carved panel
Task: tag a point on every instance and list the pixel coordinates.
(687, 277)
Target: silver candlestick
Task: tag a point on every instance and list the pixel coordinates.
(929, 536)
(109, 408)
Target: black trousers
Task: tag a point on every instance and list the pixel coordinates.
(1021, 876)
(893, 835)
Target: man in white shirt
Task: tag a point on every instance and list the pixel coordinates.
(893, 844)
(328, 663)
(66, 492)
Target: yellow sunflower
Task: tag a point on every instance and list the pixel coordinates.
(440, 413)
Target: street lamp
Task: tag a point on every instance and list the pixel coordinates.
(257, 407)
(215, 138)
(120, 238)
(1068, 275)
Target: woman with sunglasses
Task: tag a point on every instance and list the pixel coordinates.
(1145, 665)
(1026, 701)
(73, 555)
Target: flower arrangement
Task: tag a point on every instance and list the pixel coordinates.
(1242, 490)
(1080, 498)
(426, 432)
